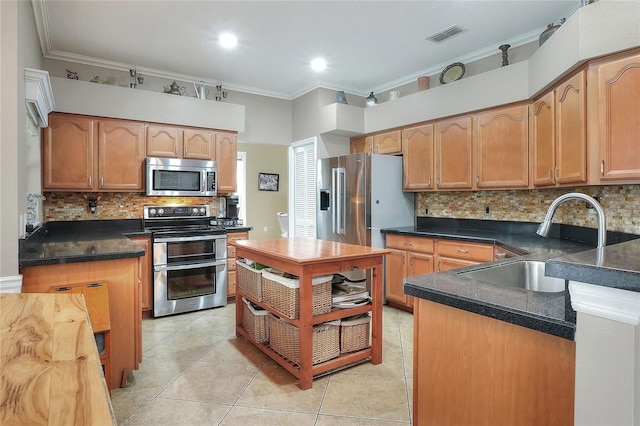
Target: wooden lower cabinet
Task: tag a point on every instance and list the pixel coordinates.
(469, 369)
(125, 315)
(146, 275)
(409, 256)
(232, 280)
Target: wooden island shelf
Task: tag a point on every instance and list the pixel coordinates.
(308, 258)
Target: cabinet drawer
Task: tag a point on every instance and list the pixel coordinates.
(231, 252)
(464, 250)
(236, 236)
(231, 264)
(405, 242)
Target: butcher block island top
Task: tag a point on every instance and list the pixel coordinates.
(307, 258)
(50, 372)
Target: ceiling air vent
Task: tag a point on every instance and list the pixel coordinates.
(445, 34)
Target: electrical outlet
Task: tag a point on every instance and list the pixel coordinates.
(266, 229)
(589, 206)
(487, 210)
(426, 211)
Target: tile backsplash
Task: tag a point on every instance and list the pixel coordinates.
(621, 204)
(112, 205)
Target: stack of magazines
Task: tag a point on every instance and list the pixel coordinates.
(348, 295)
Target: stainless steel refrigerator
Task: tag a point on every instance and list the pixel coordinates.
(359, 194)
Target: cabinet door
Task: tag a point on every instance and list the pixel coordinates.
(619, 119)
(418, 264)
(146, 300)
(68, 154)
(388, 143)
(361, 144)
(163, 141)
(543, 136)
(199, 144)
(501, 138)
(226, 158)
(394, 276)
(120, 155)
(454, 154)
(571, 134)
(417, 158)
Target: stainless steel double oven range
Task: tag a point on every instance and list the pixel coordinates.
(189, 259)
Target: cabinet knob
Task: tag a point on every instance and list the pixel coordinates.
(550, 176)
(429, 184)
(602, 167)
(463, 250)
(90, 181)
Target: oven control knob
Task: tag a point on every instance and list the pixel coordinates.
(195, 211)
(202, 210)
(152, 212)
(160, 211)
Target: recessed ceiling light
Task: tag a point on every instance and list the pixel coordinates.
(228, 40)
(318, 64)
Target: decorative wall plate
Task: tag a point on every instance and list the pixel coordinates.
(452, 72)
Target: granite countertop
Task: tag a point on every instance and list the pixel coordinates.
(86, 241)
(81, 241)
(615, 266)
(571, 247)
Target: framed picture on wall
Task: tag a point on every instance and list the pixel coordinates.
(268, 181)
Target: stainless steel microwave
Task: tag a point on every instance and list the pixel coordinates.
(178, 177)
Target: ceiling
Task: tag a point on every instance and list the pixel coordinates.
(368, 45)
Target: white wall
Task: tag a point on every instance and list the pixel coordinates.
(18, 50)
(267, 120)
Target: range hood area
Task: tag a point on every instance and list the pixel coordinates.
(38, 97)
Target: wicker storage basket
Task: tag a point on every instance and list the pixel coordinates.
(355, 334)
(255, 322)
(285, 339)
(283, 294)
(249, 280)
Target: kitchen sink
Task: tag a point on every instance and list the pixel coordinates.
(526, 274)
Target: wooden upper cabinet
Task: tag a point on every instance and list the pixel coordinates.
(226, 158)
(163, 141)
(615, 130)
(198, 144)
(120, 155)
(571, 130)
(361, 144)
(68, 153)
(454, 153)
(502, 148)
(417, 158)
(388, 143)
(543, 137)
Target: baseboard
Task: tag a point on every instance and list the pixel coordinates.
(11, 284)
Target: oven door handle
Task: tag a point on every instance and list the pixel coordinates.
(188, 266)
(186, 239)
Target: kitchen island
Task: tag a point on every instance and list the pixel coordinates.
(307, 258)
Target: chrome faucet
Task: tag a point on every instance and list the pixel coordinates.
(543, 229)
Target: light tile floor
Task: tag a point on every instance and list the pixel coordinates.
(196, 372)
